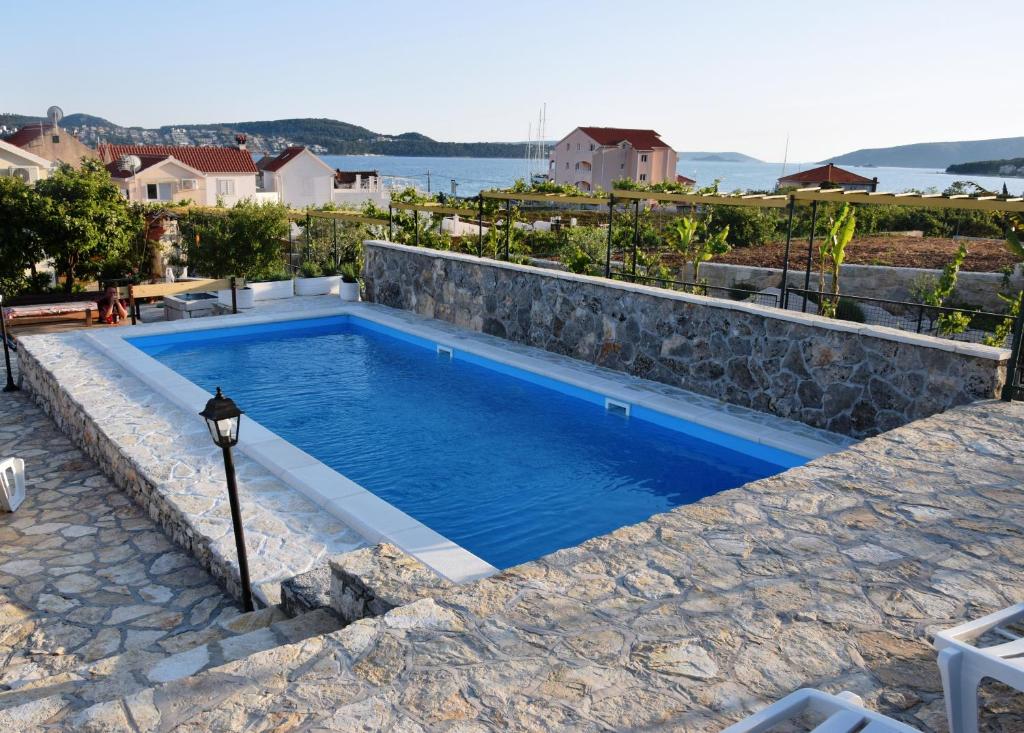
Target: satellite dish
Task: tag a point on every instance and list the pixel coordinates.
(55, 114)
(129, 164)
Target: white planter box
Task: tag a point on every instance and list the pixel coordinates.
(317, 285)
(349, 291)
(272, 290)
(244, 296)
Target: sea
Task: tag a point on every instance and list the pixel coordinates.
(468, 176)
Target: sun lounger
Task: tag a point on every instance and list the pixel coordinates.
(997, 651)
(842, 713)
(12, 484)
(17, 314)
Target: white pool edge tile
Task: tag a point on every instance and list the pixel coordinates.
(363, 511)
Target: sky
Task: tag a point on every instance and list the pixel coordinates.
(740, 75)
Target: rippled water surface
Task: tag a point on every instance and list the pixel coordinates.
(508, 469)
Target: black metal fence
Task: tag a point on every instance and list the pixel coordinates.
(958, 324)
(714, 291)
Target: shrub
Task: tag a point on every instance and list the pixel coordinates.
(246, 240)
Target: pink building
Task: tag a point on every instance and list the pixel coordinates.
(590, 158)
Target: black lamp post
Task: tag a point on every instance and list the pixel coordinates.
(223, 418)
(10, 386)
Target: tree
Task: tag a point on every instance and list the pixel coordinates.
(832, 253)
(83, 220)
(19, 244)
(245, 240)
(696, 243)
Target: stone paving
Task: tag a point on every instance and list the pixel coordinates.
(830, 575)
(166, 458)
(84, 573)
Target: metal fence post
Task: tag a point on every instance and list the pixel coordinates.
(508, 226)
(416, 224)
(234, 295)
(784, 294)
(480, 225)
(391, 224)
(1013, 368)
(636, 233)
(291, 246)
(810, 254)
(334, 228)
(608, 252)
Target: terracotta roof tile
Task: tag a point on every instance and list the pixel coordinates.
(639, 139)
(205, 159)
(830, 173)
(277, 162)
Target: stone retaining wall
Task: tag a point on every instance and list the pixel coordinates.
(76, 422)
(846, 377)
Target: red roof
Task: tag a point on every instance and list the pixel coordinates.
(148, 161)
(684, 179)
(27, 134)
(826, 174)
(205, 159)
(276, 163)
(639, 139)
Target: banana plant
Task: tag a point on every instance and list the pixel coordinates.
(832, 253)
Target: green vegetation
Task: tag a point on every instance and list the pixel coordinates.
(937, 293)
(1015, 166)
(832, 253)
(1014, 302)
(246, 240)
(82, 221)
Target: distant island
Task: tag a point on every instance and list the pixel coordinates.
(936, 155)
(727, 157)
(323, 136)
(1006, 167)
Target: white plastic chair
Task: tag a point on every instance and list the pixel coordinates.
(843, 713)
(12, 474)
(964, 665)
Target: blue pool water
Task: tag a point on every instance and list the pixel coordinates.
(507, 464)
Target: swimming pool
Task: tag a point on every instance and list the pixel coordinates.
(508, 464)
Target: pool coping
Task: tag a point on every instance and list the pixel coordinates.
(372, 517)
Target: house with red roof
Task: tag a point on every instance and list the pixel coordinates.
(829, 176)
(52, 142)
(591, 158)
(205, 175)
(298, 176)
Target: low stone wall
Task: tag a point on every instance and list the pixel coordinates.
(76, 422)
(870, 281)
(849, 378)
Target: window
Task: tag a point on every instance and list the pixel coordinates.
(591, 146)
(577, 166)
(643, 158)
(622, 166)
(577, 146)
(152, 191)
(567, 165)
(225, 187)
(643, 177)
(567, 146)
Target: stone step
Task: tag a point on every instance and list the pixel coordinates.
(217, 698)
(48, 705)
(32, 683)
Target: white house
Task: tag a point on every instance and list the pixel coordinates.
(15, 161)
(299, 177)
(160, 178)
(228, 174)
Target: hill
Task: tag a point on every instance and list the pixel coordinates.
(726, 157)
(322, 135)
(1005, 167)
(936, 155)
